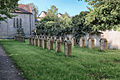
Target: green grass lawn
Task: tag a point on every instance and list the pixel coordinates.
(84, 64)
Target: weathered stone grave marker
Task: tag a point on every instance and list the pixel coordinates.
(35, 41)
(73, 41)
(44, 42)
(39, 41)
(67, 48)
(82, 42)
(30, 39)
(103, 44)
(58, 45)
(50, 44)
(91, 43)
(61, 39)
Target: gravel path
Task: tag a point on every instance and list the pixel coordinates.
(7, 69)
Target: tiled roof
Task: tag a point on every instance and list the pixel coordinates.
(22, 8)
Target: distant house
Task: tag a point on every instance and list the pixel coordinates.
(43, 14)
(59, 14)
(24, 16)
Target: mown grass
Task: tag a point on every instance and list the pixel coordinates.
(84, 64)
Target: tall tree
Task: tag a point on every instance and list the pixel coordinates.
(35, 8)
(79, 27)
(104, 15)
(6, 6)
(50, 22)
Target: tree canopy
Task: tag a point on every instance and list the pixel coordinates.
(79, 28)
(6, 6)
(54, 25)
(104, 14)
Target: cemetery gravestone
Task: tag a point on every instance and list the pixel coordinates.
(91, 43)
(33, 40)
(67, 48)
(44, 41)
(29, 39)
(58, 45)
(73, 41)
(60, 38)
(103, 44)
(50, 44)
(38, 41)
(82, 42)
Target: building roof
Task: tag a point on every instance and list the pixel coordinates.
(41, 13)
(22, 8)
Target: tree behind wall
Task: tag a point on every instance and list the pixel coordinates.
(79, 28)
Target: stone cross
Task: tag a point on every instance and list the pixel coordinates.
(82, 42)
(103, 44)
(73, 41)
(58, 45)
(67, 48)
(91, 43)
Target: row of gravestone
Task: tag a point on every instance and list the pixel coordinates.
(91, 43)
(19, 38)
(42, 41)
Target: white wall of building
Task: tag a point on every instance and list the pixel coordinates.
(7, 30)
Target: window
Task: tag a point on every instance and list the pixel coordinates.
(20, 22)
(14, 23)
(17, 22)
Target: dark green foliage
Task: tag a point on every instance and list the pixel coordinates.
(53, 25)
(79, 27)
(6, 6)
(104, 15)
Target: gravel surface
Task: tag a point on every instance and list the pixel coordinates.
(7, 69)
